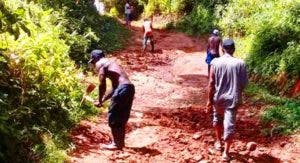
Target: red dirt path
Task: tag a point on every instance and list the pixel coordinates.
(168, 122)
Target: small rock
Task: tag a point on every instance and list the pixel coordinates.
(282, 144)
(203, 161)
(177, 135)
(198, 158)
(209, 140)
(251, 146)
(209, 132)
(262, 149)
(183, 141)
(211, 151)
(187, 158)
(244, 153)
(123, 156)
(138, 114)
(197, 136)
(250, 160)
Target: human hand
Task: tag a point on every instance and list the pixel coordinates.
(209, 107)
(98, 104)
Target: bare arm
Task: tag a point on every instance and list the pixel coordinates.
(211, 89)
(143, 29)
(208, 44)
(102, 87)
(108, 95)
(151, 26)
(244, 76)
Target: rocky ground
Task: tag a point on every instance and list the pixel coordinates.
(168, 122)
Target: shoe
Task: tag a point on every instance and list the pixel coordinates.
(225, 157)
(112, 146)
(218, 146)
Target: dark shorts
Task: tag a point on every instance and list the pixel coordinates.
(120, 107)
(127, 17)
(210, 57)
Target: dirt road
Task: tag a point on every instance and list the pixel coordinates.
(168, 122)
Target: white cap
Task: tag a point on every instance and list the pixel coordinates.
(215, 31)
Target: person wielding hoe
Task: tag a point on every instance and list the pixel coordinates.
(148, 34)
(121, 94)
(227, 80)
(214, 42)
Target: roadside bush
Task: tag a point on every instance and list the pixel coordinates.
(200, 17)
(269, 33)
(88, 29)
(119, 5)
(39, 91)
(281, 116)
(199, 21)
(283, 119)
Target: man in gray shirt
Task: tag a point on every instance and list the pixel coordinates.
(227, 79)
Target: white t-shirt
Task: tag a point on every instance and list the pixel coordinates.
(127, 8)
(147, 26)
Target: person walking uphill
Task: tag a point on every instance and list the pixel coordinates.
(214, 42)
(128, 10)
(148, 34)
(121, 95)
(227, 80)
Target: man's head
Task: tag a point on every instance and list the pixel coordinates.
(228, 46)
(215, 32)
(96, 55)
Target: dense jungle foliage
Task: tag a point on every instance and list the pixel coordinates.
(40, 92)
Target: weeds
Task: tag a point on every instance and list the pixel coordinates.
(283, 117)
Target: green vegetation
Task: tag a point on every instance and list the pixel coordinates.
(195, 16)
(86, 30)
(117, 8)
(40, 92)
(269, 33)
(44, 43)
(282, 117)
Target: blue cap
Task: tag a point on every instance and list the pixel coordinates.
(96, 55)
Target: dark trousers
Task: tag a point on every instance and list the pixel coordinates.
(119, 112)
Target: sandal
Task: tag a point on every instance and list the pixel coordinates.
(225, 157)
(218, 146)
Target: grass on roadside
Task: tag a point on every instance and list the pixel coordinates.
(283, 116)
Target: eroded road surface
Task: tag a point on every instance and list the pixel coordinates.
(168, 122)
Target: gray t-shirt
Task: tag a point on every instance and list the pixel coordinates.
(230, 80)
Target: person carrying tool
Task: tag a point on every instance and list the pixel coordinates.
(121, 94)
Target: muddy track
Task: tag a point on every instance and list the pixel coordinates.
(168, 122)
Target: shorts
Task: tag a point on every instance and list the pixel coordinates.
(227, 117)
(127, 17)
(210, 57)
